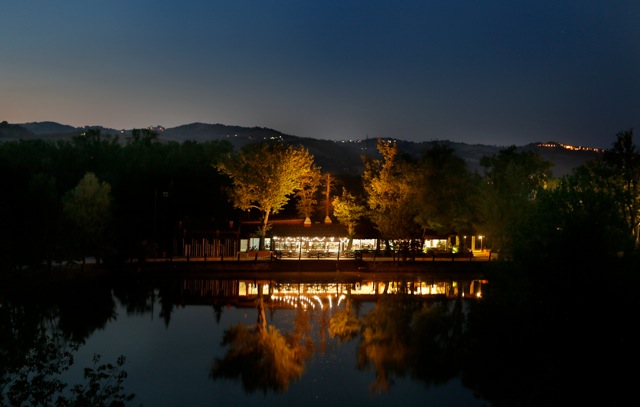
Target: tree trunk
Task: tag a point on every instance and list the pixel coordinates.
(263, 228)
(262, 318)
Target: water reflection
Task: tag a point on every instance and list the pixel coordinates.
(414, 330)
(398, 328)
(39, 334)
(198, 291)
(260, 356)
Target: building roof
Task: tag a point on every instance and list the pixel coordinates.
(297, 228)
(317, 229)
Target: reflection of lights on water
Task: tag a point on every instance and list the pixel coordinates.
(314, 296)
(304, 301)
(294, 301)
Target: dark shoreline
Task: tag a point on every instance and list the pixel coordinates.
(313, 269)
(307, 270)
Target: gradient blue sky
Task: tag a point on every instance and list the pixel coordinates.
(496, 72)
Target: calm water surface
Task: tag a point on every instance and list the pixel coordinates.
(172, 339)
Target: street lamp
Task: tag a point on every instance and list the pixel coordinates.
(481, 249)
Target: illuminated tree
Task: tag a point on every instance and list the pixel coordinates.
(264, 176)
(391, 187)
(348, 211)
(309, 184)
(328, 186)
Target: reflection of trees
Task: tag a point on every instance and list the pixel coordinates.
(344, 324)
(260, 356)
(85, 309)
(405, 335)
(138, 298)
(33, 355)
(300, 337)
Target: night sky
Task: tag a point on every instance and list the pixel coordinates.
(481, 72)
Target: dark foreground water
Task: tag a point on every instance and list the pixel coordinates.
(171, 365)
(552, 336)
(370, 342)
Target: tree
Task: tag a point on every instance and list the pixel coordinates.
(511, 185)
(580, 209)
(309, 184)
(88, 210)
(328, 186)
(348, 211)
(448, 192)
(264, 176)
(624, 159)
(34, 375)
(391, 187)
(42, 207)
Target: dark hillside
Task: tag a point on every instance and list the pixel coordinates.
(564, 160)
(337, 157)
(14, 132)
(47, 128)
(237, 135)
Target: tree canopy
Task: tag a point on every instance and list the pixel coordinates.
(264, 176)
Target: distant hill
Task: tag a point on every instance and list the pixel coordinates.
(12, 132)
(47, 128)
(338, 157)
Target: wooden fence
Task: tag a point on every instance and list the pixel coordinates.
(204, 247)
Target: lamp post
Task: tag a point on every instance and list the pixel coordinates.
(481, 247)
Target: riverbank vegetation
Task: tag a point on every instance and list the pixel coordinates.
(559, 302)
(118, 199)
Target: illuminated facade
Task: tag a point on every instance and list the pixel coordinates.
(292, 238)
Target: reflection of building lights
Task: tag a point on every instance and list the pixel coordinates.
(313, 295)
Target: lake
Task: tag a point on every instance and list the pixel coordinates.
(359, 339)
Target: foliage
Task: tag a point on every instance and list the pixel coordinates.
(306, 195)
(36, 381)
(623, 158)
(348, 211)
(88, 209)
(264, 176)
(138, 170)
(390, 184)
(328, 183)
(579, 215)
(448, 193)
(512, 182)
